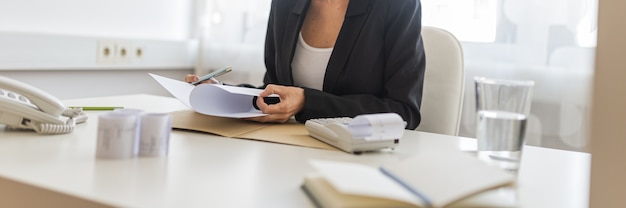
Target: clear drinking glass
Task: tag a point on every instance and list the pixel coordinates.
(502, 110)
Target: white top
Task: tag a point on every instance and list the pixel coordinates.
(309, 65)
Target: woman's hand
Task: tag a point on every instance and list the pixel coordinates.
(291, 102)
(194, 78)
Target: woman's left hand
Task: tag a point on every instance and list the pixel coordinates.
(291, 102)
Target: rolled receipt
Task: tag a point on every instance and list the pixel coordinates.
(154, 134)
(379, 126)
(117, 135)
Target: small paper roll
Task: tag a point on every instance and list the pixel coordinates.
(154, 134)
(132, 112)
(117, 136)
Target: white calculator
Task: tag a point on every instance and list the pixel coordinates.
(337, 132)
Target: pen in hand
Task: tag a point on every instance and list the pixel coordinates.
(212, 75)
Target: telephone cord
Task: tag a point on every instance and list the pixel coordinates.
(75, 116)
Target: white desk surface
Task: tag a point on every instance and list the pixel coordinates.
(204, 170)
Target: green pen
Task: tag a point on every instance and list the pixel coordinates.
(98, 108)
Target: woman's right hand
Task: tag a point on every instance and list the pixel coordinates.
(291, 102)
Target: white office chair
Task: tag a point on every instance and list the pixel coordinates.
(442, 99)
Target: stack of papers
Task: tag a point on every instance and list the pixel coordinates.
(213, 99)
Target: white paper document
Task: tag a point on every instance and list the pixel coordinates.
(212, 99)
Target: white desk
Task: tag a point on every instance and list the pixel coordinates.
(210, 171)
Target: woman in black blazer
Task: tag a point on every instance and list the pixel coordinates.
(336, 58)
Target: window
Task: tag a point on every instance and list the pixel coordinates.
(549, 41)
(469, 20)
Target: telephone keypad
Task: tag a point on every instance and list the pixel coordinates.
(14, 96)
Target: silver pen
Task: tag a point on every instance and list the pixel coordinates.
(213, 74)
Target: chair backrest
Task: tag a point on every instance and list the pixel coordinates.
(442, 99)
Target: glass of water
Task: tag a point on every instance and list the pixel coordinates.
(502, 110)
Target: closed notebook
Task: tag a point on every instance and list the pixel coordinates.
(430, 178)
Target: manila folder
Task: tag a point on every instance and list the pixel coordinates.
(292, 133)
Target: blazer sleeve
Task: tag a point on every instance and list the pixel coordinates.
(402, 79)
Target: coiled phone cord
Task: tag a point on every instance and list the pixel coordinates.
(76, 115)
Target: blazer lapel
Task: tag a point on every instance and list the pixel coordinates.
(290, 38)
(352, 24)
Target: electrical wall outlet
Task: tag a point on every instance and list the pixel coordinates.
(106, 52)
(118, 52)
(124, 52)
(138, 52)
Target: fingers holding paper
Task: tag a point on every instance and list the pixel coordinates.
(190, 78)
(291, 102)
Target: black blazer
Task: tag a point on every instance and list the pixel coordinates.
(377, 64)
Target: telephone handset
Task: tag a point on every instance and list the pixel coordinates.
(25, 107)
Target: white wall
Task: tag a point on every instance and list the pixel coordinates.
(144, 19)
(56, 45)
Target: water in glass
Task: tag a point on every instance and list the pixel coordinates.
(500, 136)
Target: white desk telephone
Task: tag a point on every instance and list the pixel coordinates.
(26, 107)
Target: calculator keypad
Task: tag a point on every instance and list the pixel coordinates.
(328, 121)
